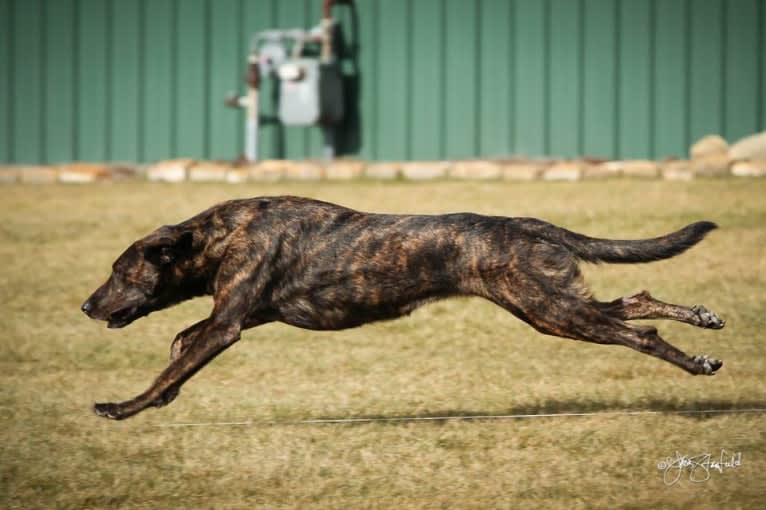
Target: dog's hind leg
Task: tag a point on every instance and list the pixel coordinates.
(570, 316)
(644, 306)
(590, 325)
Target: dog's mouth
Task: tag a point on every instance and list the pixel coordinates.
(123, 317)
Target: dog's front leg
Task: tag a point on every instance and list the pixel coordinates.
(180, 344)
(208, 339)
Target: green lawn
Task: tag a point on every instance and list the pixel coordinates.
(463, 356)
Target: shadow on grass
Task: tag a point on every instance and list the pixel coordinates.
(696, 410)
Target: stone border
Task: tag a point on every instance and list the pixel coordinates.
(189, 170)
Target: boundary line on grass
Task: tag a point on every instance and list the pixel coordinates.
(486, 417)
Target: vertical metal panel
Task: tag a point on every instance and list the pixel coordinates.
(392, 101)
(192, 92)
(6, 121)
(427, 85)
(369, 11)
(27, 88)
(762, 51)
(496, 78)
(314, 137)
(124, 81)
(670, 113)
(92, 77)
(224, 71)
(599, 94)
(565, 74)
(460, 77)
(741, 68)
(60, 81)
(635, 79)
(707, 70)
(158, 86)
(529, 28)
(145, 79)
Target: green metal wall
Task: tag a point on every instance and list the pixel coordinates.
(140, 80)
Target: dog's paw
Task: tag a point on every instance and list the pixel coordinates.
(709, 366)
(108, 410)
(707, 319)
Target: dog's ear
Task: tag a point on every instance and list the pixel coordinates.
(168, 246)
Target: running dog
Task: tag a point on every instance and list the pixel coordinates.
(321, 266)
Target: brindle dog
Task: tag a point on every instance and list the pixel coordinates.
(321, 266)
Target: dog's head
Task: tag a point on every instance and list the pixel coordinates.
(144, 278)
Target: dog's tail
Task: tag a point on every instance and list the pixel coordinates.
(594, 250)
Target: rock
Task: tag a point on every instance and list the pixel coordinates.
(477, 170)
(269, 170)
(751, 147)
(604, 170)
(522, 171)
(714, 165)
(209, 171)
(37, 174)
(707, 146)
(425, 170)
(303, 170)
(121, 171)
(384, 170)
(345, 169)
(754, 168)
(80, 173)
(237, 174)
(564, 171)
(172, 170)
(9, 174)
(640, 168)
(677, 170)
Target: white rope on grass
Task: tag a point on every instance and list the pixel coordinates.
(486, 417)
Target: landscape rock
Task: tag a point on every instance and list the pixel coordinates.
(754, 168)
(303, 170)
(518, 171)
(172, 170)
(640, 168)
(37, 174)
(209, 171)
(478, 170)
(269, 170)
(425, 170)
(564, 171)
(707, 146)
(82, 173)
(751, 147)
(602, 170)
(344, 169)
(677, 170)
(237, 174)
(715, 165)
(384, 171)
(9, 174)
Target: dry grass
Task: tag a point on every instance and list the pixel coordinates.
(452, 357)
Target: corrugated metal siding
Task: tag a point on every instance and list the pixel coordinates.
(140, 80)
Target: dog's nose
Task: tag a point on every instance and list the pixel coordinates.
(87, 307)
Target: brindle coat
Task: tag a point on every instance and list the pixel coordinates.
(321, 266)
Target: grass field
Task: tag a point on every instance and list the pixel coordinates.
(462, 356)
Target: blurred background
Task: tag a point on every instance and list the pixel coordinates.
(139, 80)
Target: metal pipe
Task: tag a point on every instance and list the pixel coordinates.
(253, 85)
